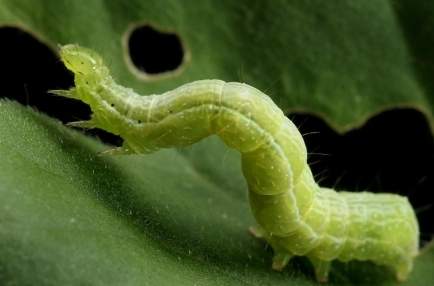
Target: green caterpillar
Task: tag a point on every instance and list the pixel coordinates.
(295, 216)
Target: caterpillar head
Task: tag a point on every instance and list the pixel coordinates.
(82, 61)
(89, 71)
(89, 74)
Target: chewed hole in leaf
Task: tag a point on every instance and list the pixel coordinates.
(153, 52)
(29, 68)
(393, 152)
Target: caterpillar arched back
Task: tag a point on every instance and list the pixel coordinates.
(295, 216)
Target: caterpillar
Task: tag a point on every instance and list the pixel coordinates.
(294, 215)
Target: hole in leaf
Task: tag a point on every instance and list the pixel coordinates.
(29, 68)
(154, 52)
(393, 152)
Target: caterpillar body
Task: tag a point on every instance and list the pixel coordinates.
(295, 216)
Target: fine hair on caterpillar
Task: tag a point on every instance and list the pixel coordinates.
(294, 214)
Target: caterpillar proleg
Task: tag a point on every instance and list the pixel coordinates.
(295, 216)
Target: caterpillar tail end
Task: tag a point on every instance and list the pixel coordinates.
(321, 268)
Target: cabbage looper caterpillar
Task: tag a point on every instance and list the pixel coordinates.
(295, 215)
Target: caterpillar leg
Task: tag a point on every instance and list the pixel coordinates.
(85, 124)
(280, 260)
(64, 93)
(115, 151)
(257, 232)
(321, 268)
(281, 257)
(403, 270)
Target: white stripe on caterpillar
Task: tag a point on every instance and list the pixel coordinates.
(295, 215)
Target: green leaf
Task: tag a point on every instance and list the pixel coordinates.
(70, 217)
